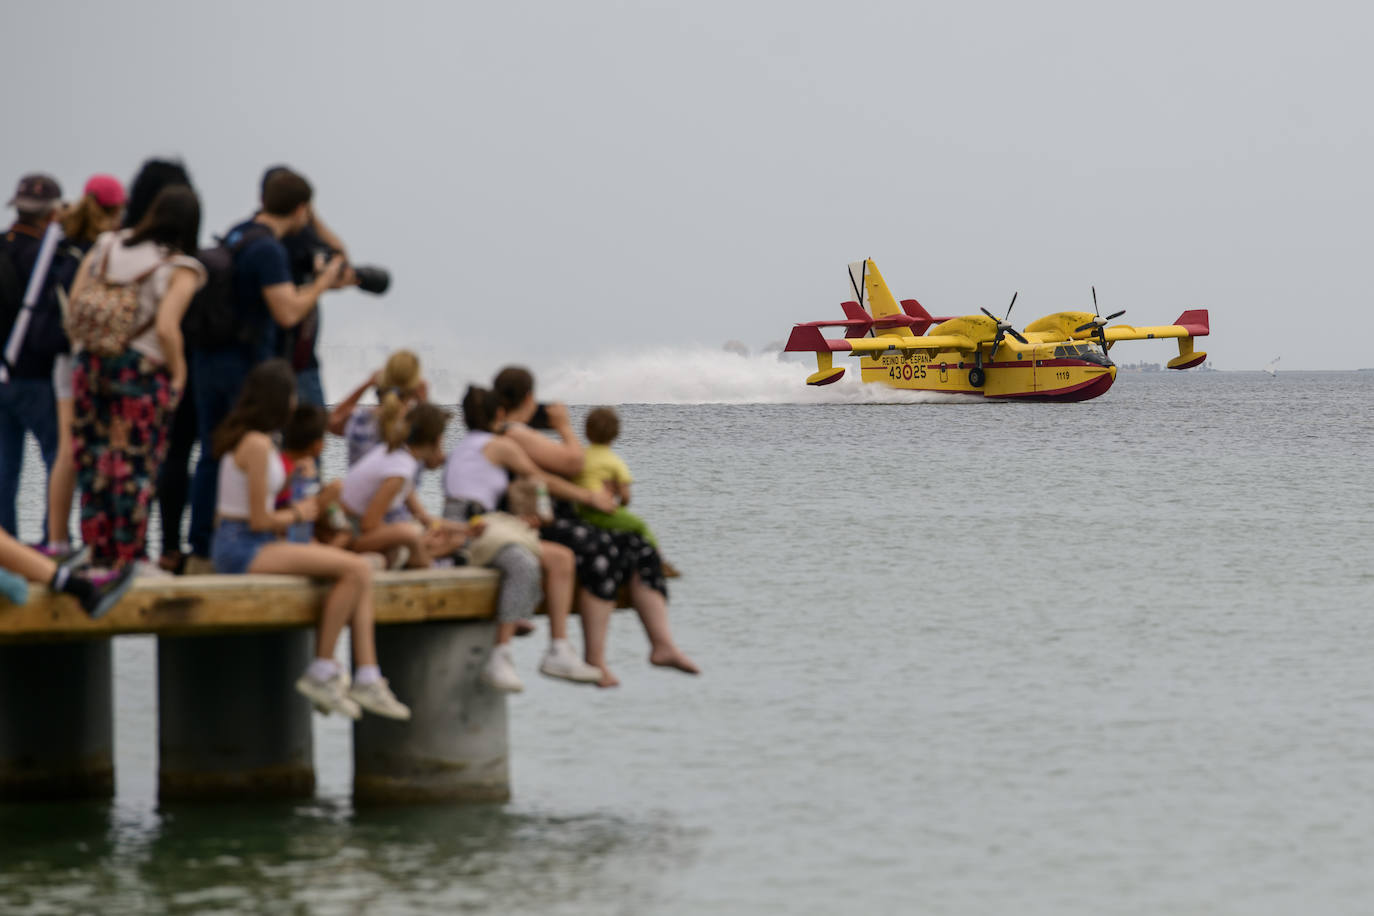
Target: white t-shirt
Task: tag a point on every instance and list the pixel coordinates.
(127, 263)
(365, 478)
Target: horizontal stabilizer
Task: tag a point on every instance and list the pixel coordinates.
(807, 338)
(1195, 322)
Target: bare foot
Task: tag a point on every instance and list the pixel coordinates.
(607, 679)
(673, 658)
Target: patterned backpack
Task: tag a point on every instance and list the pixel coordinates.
(104, 318)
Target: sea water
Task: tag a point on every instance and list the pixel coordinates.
(1110, 657)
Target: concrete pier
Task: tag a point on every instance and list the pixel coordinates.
(56, 720)
(230, 722)
(455, 748)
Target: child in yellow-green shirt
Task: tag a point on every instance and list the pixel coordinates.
(604, 469)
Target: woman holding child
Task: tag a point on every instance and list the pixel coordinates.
(248, 539)
(477, 479)
(606, 560)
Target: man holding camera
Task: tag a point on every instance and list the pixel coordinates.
(264, 301)
(308, 251)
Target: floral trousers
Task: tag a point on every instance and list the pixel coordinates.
(122, 413)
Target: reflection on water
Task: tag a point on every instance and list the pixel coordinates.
(323, 857)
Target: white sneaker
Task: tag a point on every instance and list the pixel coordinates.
(499, 671)
(328, 696)
(378, 699)
(145, 570)
(561, 660)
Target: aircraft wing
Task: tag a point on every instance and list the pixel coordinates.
(933, 343)
(1190, 324)
(806, 338)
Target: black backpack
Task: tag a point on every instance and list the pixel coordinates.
(212, 322)
(46, 336)
(11, 292)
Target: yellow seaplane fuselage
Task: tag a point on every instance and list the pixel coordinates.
(902, 346)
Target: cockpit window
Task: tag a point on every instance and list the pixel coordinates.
(1093, 353)
(1088, 352)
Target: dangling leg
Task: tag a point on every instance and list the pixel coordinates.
(652, 608)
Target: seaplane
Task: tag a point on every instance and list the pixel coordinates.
(1061, 357)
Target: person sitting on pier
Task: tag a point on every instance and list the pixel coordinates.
(399, 386)
(302, 443)
(476, 478)
(606, 560)
(21, 564)
(383, 481)
(247, 540)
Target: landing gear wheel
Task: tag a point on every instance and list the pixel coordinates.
(976, 377)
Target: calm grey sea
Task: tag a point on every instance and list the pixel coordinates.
(1110, 657)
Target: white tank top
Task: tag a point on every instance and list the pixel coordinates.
(233, 485)
(469, 475)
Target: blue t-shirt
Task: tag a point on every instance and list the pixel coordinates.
(261, 263)
(299, 486)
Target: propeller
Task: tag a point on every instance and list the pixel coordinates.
(1099, 323)
(1003, 327)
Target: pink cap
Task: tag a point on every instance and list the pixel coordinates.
(106, 190)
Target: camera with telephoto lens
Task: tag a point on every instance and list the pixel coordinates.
(310, 253)
(371, 278)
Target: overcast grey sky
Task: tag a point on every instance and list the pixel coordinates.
(552, 181)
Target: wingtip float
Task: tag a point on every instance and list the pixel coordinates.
(1060, 357)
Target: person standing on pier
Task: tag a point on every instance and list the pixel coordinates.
(96, 213)
(127, 380)
(32, 271)
(264, 299)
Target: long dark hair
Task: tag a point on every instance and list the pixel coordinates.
(152, 177)
(479, 409)
(173, 220)
(264, 405)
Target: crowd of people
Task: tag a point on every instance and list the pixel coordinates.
(126, 343)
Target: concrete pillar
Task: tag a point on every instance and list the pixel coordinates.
(230, 722)
(455, 748)
(56, 720)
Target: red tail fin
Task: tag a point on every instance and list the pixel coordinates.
(923, 318)
(855, 312)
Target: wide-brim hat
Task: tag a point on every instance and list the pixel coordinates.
(36, 193)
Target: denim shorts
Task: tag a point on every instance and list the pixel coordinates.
(235, 545)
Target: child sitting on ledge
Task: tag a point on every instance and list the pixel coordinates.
(383, 480)
(603, 469)
(302, 442)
